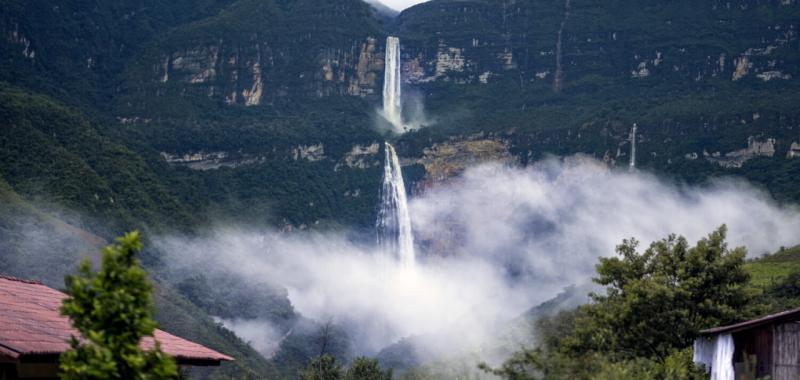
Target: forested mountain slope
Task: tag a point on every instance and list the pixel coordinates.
(178, 115)
(223, 99)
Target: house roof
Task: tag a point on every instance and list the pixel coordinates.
(31, 324)
(789, 315)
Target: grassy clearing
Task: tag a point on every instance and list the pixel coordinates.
(775, 267)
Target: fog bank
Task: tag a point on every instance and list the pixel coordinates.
(492, 244)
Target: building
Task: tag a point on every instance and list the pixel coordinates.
(767, 346)
(33, 334)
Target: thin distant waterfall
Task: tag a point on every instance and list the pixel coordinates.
(633, 148)
(392, 105)
(394, 221)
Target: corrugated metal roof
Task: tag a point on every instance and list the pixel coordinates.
(789, 315)
(31, 324)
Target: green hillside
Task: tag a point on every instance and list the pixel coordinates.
(54, 153)
(30, 236)
(775, 268)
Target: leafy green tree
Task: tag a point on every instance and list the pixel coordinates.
(324, 367)
(541, 364)
(367, 369)
(113, 310)
(655, 304)
(657, 301)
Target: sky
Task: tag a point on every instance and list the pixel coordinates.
(401, 4)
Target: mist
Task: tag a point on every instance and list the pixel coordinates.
(491, 244)
(261, 335)
(399, 5)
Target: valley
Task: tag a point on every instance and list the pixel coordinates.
(274, 153)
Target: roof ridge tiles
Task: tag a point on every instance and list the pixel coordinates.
(12, 278)
(31, 324)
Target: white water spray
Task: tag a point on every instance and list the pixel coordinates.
(392, 104)
(394, 221)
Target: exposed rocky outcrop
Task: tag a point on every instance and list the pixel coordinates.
(311, 153)
(449, 59)
(794, 150)
(354, 71)
(203, 161)
(736, 159)
(236, 74)
(16, 37)
(360, 157)
(368, 70)
(743, 66)
(446, 160)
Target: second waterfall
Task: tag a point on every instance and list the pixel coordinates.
(394, 221)
(392, 103)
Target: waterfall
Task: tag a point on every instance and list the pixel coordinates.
(633, 148)
(392, 105)
(394, 222)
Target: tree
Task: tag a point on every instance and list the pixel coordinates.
(323, 367)
(654, 305)
(113, 310)
(656, 302)
(367, 369)
(325, 337)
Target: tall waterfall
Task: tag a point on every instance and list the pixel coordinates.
(392, 105)
(394, 222)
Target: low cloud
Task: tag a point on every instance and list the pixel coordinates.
(491, 244)
(260, 334)
(557, 218)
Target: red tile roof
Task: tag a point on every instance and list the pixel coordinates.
(31, 324)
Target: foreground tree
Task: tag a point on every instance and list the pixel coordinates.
(654, 305)
(657, 301)
(113, 310)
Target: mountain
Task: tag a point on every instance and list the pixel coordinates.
(53, 153)
(239, 83)
(175, 115)
(382, 9)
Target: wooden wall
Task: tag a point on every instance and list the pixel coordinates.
(8, 371)
(786, 351)
(752, 355)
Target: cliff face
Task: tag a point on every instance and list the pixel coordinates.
(249, 75)
(561, 42)
(80, 48)
(259, 52)
(252, 52)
